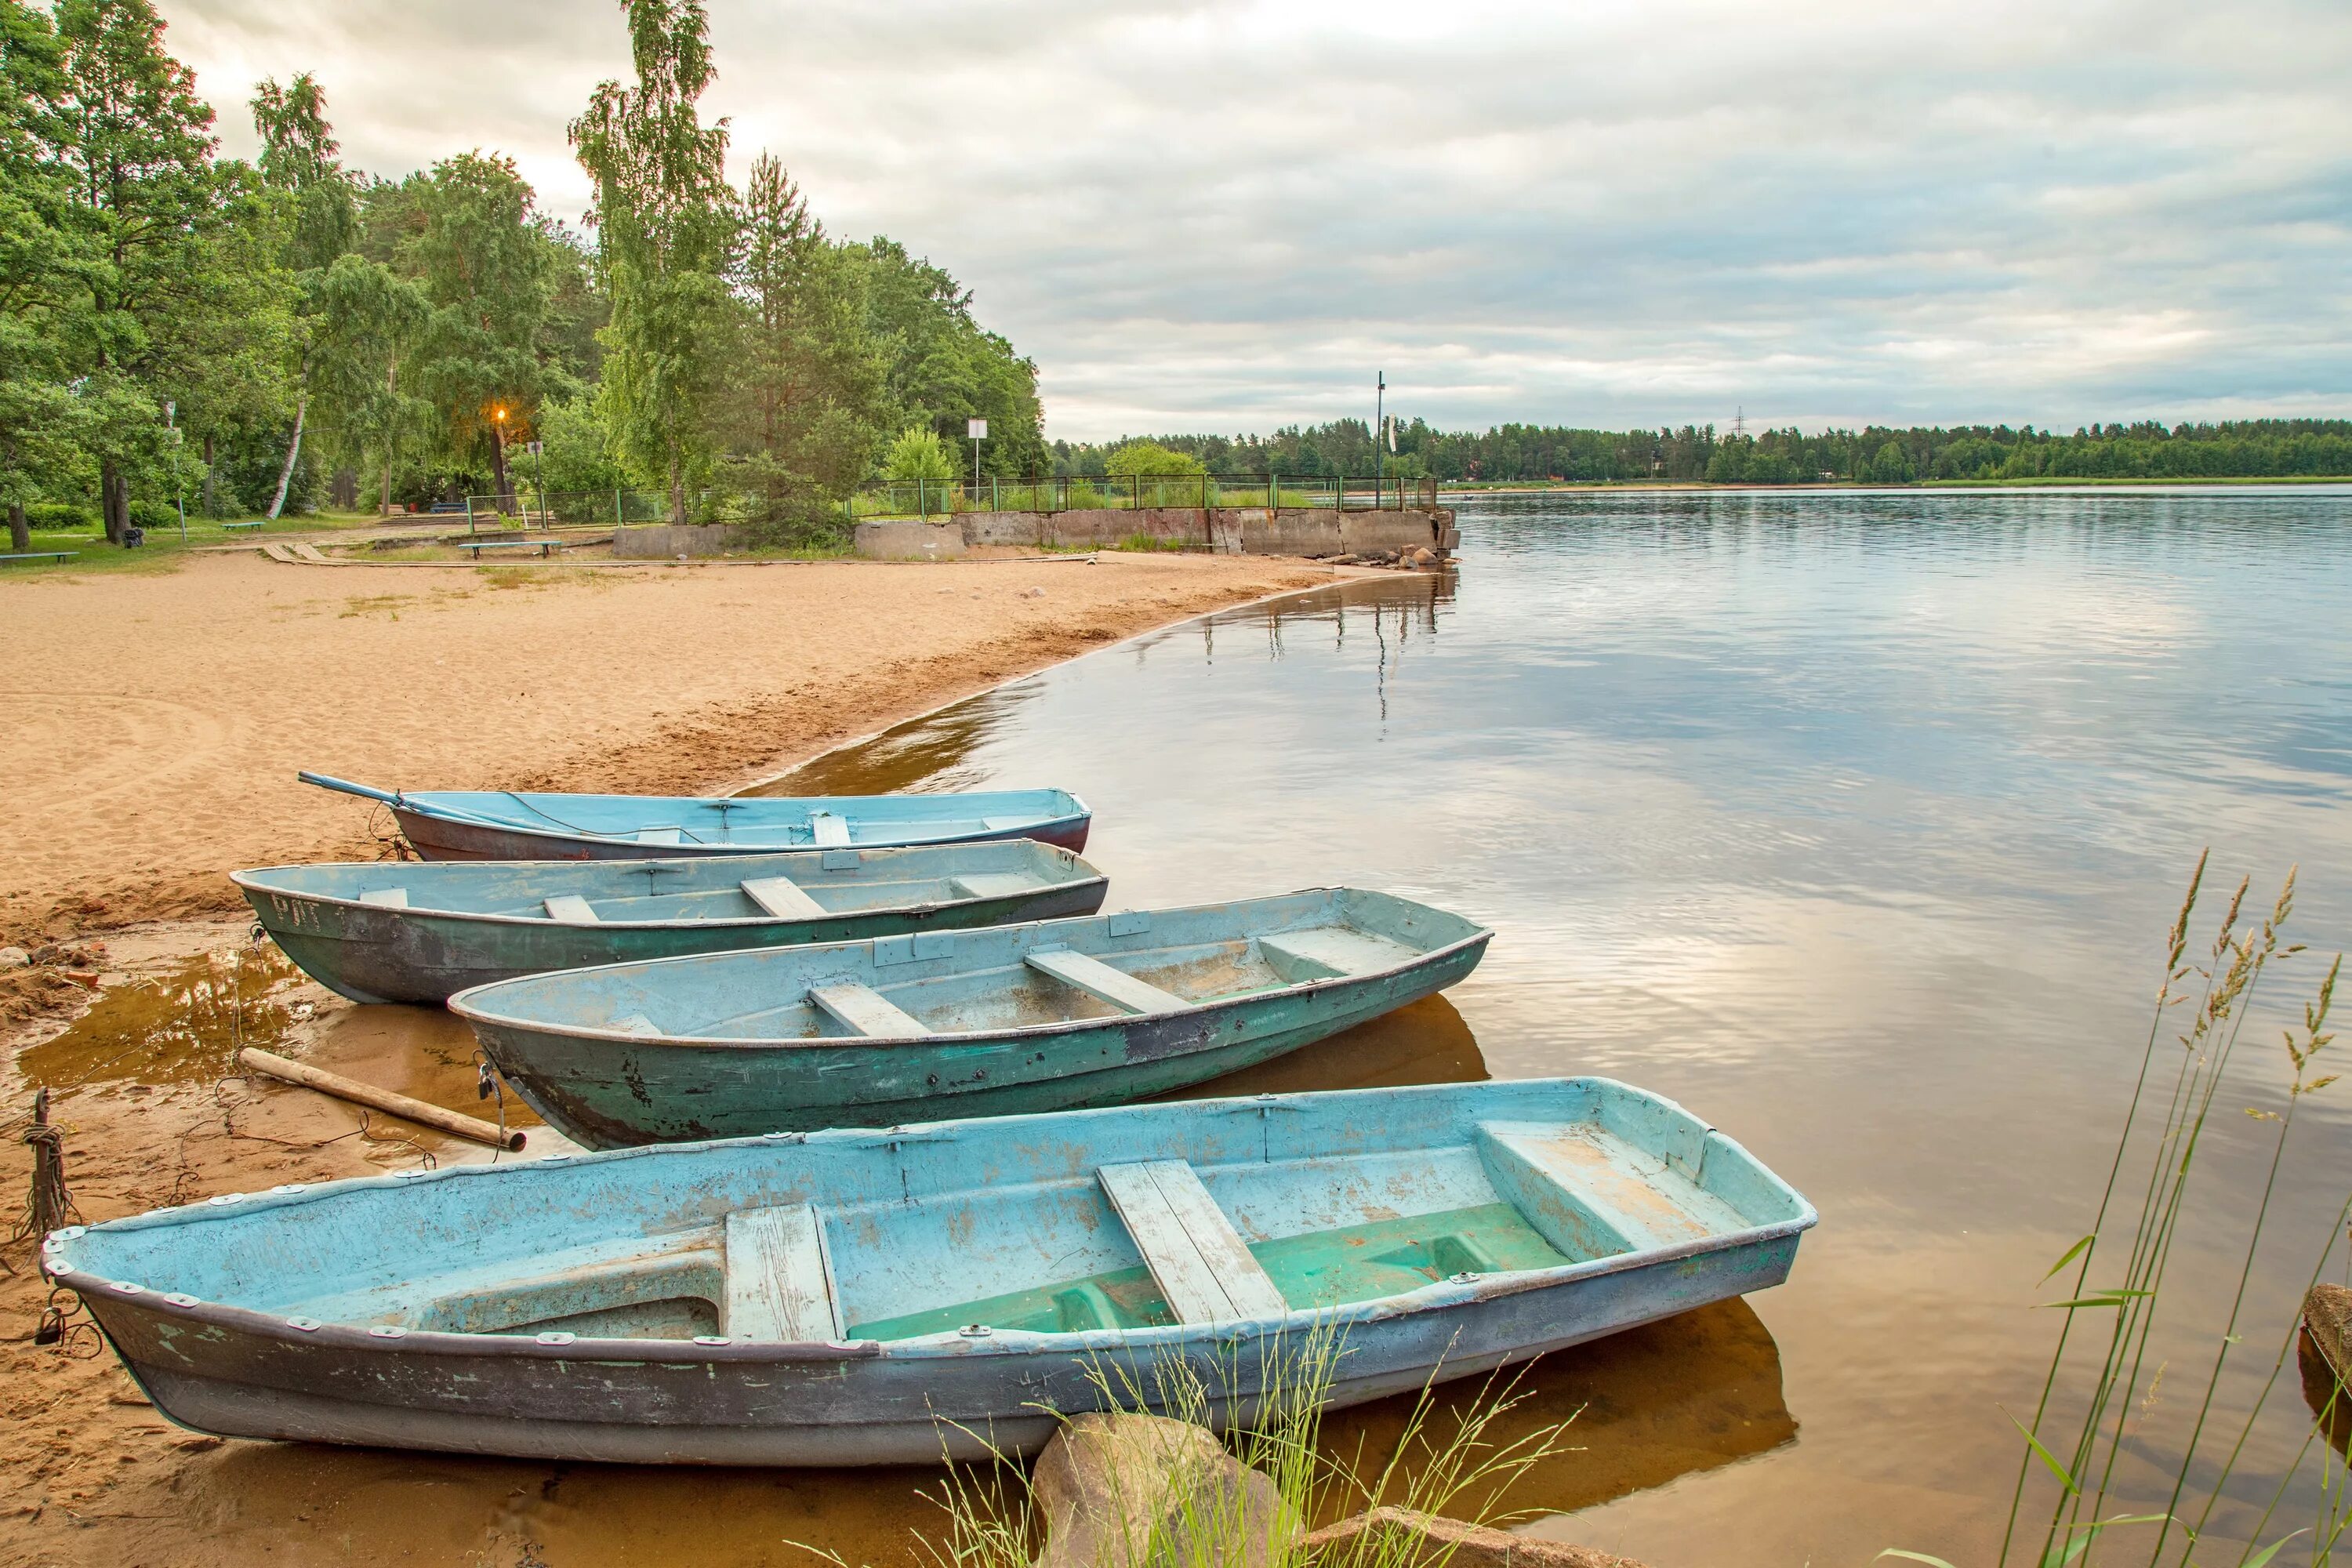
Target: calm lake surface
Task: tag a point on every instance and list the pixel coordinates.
(1853, 822)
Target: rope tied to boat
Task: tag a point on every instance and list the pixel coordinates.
(49, 1206)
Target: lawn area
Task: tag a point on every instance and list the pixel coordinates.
(93, 553)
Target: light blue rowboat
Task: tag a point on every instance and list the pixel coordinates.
(395, 931)
(511, 825)
(876, 1297)
(1043, 1017)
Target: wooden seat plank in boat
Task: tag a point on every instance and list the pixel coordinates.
(779, 1282)
(782, 898)
(866, 1010)
(1096, 978)
(658, 836)
(1640, 1210)
(386, 898)
(637, 1024)
(829, 831)
(1329, 952)
(572, 909)
(991, 884)
(1196, 1257)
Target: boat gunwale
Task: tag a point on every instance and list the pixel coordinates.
(401, 801)
(747, 922)
(1478, 936)
(1437, 1295)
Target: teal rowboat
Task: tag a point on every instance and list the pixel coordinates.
(865, 1298)
(1043, 1017)
(393, 930)
(510, 824)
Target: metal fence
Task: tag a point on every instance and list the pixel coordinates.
(1127, 492)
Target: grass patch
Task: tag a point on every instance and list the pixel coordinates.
(1154, 543)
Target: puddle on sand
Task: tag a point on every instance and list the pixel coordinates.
(425, 1053)
(183, 1026)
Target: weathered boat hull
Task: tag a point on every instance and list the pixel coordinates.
(206, 1305)
(444, 838)
(723, 1046)
(370, 952)
(605, 1093)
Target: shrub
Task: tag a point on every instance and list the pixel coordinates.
(59, 516)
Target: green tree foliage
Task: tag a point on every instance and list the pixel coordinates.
(1150, 459)
(807, 388)
(666, 221)
(483, 260)
(918, 454)
(944, 368)
(40, 419)
(2273, 448)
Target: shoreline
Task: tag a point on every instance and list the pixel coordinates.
(1935, 487)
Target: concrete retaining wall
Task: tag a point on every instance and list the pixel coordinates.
(663, 542)
(909, 540)
(1232, 530)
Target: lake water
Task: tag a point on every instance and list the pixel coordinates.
(1854, 822)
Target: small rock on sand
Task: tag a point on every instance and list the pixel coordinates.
(1107, 1484)
(13, 958)
(1033, 593)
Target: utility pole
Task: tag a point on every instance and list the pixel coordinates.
(1380, 427)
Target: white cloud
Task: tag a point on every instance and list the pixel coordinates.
(1226, 214)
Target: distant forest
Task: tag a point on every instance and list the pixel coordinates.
(2249, 449)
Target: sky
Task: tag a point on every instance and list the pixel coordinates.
(1229, 216)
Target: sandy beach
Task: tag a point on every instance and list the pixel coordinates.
(153, 723)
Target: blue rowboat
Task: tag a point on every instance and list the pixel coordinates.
(511, 825)
(392, 930)
(1046, 1016)
(876, 1297)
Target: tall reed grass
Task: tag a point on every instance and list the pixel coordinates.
(2106, 1387)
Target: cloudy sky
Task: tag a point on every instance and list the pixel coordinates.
(1228, 215)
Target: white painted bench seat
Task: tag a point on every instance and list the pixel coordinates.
(865, 1011)
(779, 1280)
(572, 909)
(658, 836)
(386, 898)
(1096, 978)
(829, 831)
(784, 898)
(1196, 1257)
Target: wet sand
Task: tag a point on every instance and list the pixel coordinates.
(153, 725)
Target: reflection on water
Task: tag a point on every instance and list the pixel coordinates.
(1852, 822)
(184, 1026)
(1424, 1042)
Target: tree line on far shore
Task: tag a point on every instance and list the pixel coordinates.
(2249, 449)
(272, 335)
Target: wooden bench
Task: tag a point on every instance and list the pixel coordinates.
(43, 555)
(1196, 1257)
(1097, 979)
(572, 909)
(991, 884)
(784, 898)
(779, 1279)
(239, 526)
(1331, 952)
(865, 1011)
(544, 546)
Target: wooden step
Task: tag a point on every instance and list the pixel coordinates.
(779, 1280)
(782, 898)
(1096, 978)
(572, 909)
(1196, 1257)
(866, 1010)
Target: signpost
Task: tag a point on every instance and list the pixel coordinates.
(538, 451)
(978, 430)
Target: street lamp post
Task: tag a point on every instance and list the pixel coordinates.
(498, 426)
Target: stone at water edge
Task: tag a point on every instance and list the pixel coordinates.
(1409, 1540)
(1106, 1483)
(2327, 1313)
